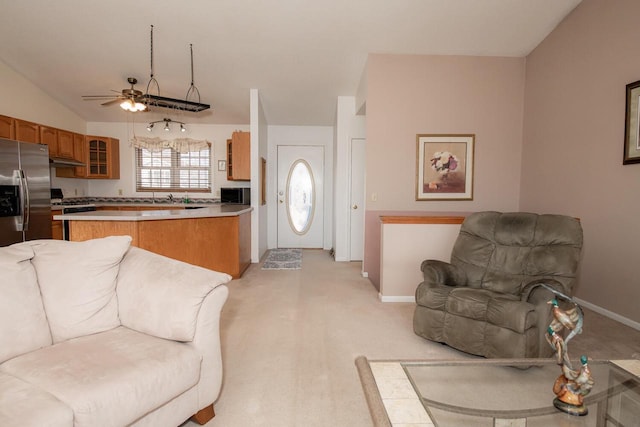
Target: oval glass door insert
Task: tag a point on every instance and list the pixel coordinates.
(300, 196)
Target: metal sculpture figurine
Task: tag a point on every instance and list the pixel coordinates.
(573, 384)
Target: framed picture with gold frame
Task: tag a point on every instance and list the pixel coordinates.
(444, 166)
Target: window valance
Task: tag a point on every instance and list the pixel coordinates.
(180, 145)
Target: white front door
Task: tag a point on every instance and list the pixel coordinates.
(300, 196)
(356, 218)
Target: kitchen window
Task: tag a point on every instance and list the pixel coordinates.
(169, 170)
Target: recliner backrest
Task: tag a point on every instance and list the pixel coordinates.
(503, 252)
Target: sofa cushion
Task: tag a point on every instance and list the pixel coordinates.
(111, 378)
(23, 323)
(22, 404)
(161, 296)
(78, 284)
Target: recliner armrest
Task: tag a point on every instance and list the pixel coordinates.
(534, 292)
(442, 273)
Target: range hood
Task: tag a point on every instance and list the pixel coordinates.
(59, 162)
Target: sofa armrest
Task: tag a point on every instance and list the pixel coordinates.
(206, 341)
(442, 273)
(163, 297)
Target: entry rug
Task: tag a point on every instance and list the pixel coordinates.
(283, 259)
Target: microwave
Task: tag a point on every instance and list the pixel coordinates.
(235, 195)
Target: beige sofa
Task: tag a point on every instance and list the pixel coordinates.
(99, 333)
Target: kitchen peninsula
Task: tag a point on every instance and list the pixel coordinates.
(216, 237)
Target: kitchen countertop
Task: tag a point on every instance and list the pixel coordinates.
(160, 205)
(211, 211)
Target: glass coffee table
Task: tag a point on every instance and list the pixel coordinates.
(497, 393)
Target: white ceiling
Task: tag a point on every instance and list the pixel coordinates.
(301, 55)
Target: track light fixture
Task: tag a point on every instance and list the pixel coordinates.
(166, 125)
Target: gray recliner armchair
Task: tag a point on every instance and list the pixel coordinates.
(489, 300)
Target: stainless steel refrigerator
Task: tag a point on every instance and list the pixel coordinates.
(25, 196)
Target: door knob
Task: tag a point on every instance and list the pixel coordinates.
(281, 201)
(354, 207)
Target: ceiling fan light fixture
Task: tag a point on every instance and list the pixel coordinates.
(127, 105)
(132, 105)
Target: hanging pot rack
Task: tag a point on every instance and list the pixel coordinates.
(156, 100)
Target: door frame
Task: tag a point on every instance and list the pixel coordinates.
(299, 135)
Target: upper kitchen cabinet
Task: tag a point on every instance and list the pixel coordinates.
(49, 136)
(79, 149)
(65, 144)
(27, 131)
(239, 157)
(7, 127)
(103, 157)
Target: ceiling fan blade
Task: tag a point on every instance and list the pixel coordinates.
(100, 96)
(113, 101)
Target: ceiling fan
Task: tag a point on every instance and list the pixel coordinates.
(130, 99)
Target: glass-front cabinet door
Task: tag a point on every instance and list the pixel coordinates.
(103, 157)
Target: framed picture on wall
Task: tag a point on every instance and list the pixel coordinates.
(632, 125)
(444, 167)
(222, 165)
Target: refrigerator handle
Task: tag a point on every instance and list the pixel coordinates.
(25, 205)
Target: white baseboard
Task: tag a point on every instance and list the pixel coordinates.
(365, 274)
(610, 314)
(406, 298)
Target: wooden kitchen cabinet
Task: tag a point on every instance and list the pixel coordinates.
(56, 226)
(49, 136)
(27, 131)
(7, 127)
(80, 155)
(65, 144)
(239, 157)
(103, 157)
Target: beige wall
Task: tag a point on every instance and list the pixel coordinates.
(24, 100)
(409, 95)
(572, 149)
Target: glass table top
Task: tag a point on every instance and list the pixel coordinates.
(514, 393)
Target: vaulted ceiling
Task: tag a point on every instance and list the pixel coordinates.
(301, 55)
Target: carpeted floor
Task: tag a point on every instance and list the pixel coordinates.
(283, 259)
(290, 338)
